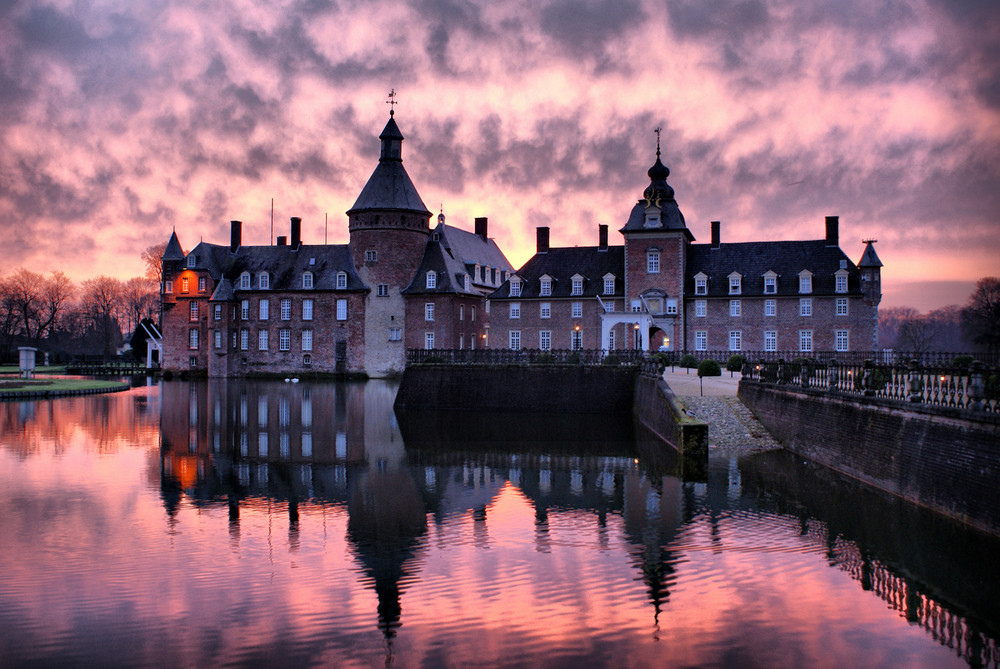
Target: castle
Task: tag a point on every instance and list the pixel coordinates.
(355, 308)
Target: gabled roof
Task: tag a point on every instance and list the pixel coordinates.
(453, 253)
(223, 291)
(753, 259)
(562, 263)
(173, 250)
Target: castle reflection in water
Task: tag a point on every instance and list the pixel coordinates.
(234, 442)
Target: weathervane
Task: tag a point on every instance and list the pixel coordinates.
(869, 241)
(392, 101)
(657, 130)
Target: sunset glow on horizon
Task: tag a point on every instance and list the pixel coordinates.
(124, 121)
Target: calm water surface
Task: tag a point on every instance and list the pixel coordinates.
(257, 524)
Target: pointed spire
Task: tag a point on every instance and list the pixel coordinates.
(173, 250)
(869, 258)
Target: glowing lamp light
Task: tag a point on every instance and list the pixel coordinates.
(577, 327)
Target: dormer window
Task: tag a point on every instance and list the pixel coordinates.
(545, 286)
(341, 280)
(307, 280)
(245, 281)
(770, 283)
(805, 281)
(466, 283)
(609, 284)
(840, 280)
(432, 279)
(264, 280)
(192, 261)
(652, 218)
(577, 285)
(515, 287)
(700, 284)
(735, 284)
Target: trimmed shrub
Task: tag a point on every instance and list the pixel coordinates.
(688, 360)
(709, 368)
(735, 363)
(661, 358)
(545, 359)
(611, 359)
(962, 361)
(574, 358)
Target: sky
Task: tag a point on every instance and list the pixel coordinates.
(122, 120)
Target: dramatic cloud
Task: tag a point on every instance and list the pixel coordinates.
(122, 121)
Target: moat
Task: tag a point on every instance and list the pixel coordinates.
(215, 523)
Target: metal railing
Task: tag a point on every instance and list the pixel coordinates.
(974, 386)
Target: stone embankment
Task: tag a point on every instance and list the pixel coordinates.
(732, 427)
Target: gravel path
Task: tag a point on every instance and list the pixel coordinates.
(732, 427)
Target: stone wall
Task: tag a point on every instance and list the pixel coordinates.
(656, 407)
(945, 459)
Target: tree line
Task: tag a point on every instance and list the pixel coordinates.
(67, 319)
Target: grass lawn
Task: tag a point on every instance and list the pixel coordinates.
(51, 369)
(56, 387)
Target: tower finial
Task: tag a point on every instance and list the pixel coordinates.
(657, 130)
(392, 101)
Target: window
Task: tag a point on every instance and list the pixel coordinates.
(192, 261)
(545, 310)
(466, 284)
(265, 309)
(841, 281)
(194, 310)
(515, 287)
(514, 340)
(735, 308)
(202, 284)
(611, 340)
(735, 340)
(461, 312)
(545, 340)
(264, 280)
(245, 281)
(371, 255)
(576, 340)
(770, 307)
(284, 339)
(577, 285)
(805, 282)
(700, 308)
(609, 285)
(805, 341)
(841, 340)
(841, 306)
(307, 279)
(472, 314)
(184, 285)
(192, 361)
(576, 310)
(429, 311)
(515, 309)
(382, 290)
(193, 339)
(245, 310)
(805, 306)
(652, 262)
(429, 341)
(286, 309)
(341, 310)
(546, 287)
(341, 280)
(218, 339)
(395, 334)
(262, 340)
(168, 286)
(701, 284)
(770, 340)
(218, 312)
(735, 284)
(307, 309)
(701, 340)
(672, 307)
(432, 279)
(307, 340)
(244, 339)
(770, 284)
(307, 361)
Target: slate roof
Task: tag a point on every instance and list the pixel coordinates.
(562, 264)
(753, 259)
(284, 265)
(658, 196)
(389, 186)
(173, 250)
(869, 258)
(453, 253)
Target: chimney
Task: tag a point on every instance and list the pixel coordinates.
(716, 226)
(236, 236)
(542, 238)
(832, 233)
(282, 240)
(296, 232)
(602, 237)
(481, 227)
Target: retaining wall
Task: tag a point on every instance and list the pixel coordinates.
(944, 459)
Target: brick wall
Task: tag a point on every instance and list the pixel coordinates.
(945, 459)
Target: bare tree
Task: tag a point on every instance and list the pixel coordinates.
(890, 321)
(139, 300)
(981, 316)
(8, 318)
(151, 256)
(101, 299)
(916, 335)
